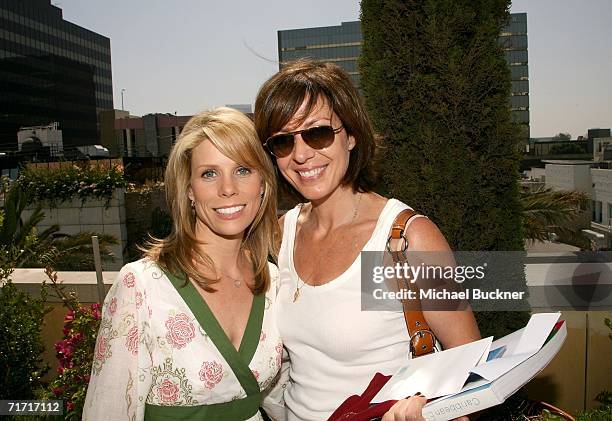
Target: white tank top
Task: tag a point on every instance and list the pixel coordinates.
(335, 348)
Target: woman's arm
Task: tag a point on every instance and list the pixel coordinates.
(452, 328)
(119, 384)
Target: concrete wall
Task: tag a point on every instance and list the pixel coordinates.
(93, 215)
(602, 191)
(569, 177)
(582, 368)
(537, 174)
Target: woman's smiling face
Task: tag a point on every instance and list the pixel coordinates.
(316, 173)
(226, 194)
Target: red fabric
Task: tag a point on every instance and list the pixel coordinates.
(358, 408)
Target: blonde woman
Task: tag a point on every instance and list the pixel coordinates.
(187, 332)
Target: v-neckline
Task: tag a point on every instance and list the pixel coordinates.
(238, 359)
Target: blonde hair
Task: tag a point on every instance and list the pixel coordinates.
(233, 134)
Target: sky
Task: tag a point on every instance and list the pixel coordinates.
(184, 56)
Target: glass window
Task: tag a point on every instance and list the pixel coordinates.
(519, 72)
(520, 86)
(597, 217)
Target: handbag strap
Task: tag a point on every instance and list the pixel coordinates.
(422, 338)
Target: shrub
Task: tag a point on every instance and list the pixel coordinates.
(57, 185)
(21, 319)
(603, 413)
(74, 351)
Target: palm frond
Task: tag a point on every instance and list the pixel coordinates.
(545, 211)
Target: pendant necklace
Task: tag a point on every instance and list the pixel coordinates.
(298, 287)
(237, 282)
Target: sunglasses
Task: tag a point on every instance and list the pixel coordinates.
(317, 137)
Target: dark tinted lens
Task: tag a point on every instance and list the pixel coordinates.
(318, 137)
(280, 145)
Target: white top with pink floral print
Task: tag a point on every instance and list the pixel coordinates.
(151, 349)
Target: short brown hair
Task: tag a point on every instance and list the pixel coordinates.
(233, 134)
(283, 94)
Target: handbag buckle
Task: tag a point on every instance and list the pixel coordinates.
(421, 334)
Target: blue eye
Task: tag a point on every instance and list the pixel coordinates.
(208, 173)
(243, 171)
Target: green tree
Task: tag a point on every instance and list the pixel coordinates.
(21, 315)
(19, 237)
(437, 87)
(562, 136)
(24, 245)
(546, 211)
(566, 148)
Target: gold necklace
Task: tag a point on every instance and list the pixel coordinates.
(298, 287)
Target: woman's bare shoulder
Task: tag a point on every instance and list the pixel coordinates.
(424, 235)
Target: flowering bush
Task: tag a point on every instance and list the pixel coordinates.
(74, 351)
(57, 185)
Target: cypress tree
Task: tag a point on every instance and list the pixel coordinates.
(437, 88)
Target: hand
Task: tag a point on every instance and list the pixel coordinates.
(410, 409)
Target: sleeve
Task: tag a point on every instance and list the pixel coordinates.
(274, 401)
(120, 376)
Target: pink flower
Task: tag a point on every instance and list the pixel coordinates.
(211, 373)
(112, 307)
(129, 280)
(70, 406)
(168, 392)
(138, 299)
(131, 342)
(100, 351)
(69, 317)
(180, 330)
(256, 374)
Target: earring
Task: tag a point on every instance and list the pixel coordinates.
(192, 204)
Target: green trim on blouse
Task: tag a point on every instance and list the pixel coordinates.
(238, 360)
(241, 409)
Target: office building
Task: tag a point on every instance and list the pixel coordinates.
(513, 39)
(593, 134)
(152, 135)
(51, 71)
(337, 44)
(342, 45)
